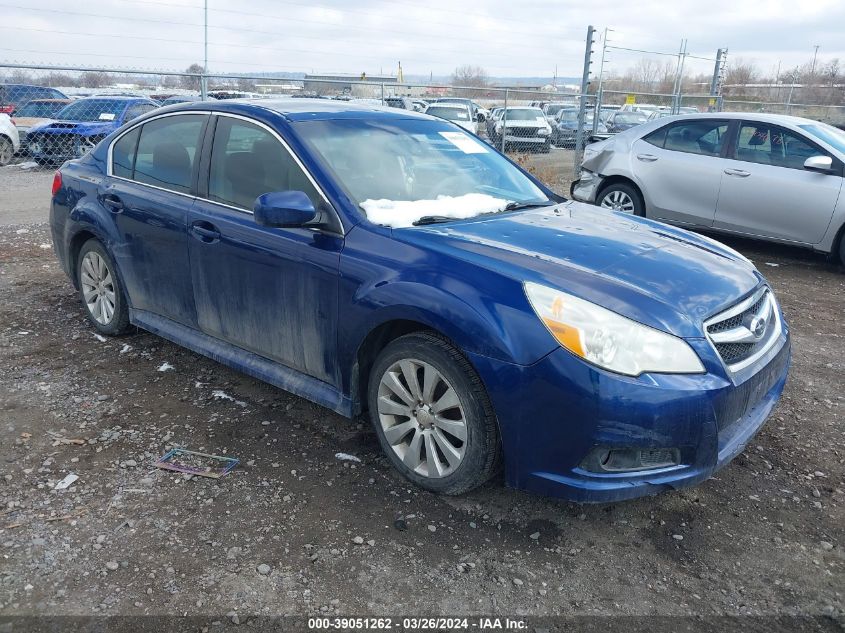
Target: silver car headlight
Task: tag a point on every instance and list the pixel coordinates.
(609, 340)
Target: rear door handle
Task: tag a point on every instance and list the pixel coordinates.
(205, 232)
(647, 158)
(738, 172)
(112, 203)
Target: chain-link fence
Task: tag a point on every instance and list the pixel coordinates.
(59, 113)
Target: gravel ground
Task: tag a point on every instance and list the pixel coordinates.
(296, 530)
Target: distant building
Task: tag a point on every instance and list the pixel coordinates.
(347, 83)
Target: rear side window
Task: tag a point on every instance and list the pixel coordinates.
(656, 138)
(167, 149)
(123, 154)
(247, 161)
(704, 137)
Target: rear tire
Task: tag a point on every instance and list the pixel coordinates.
(432, 415)
(842, 248)
(7, 150)
(621, 197)
(100, 290)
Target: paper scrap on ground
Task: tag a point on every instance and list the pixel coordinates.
(219, 394)
(346, 457)
(772, 264)
(165, 366)
(193, 463)
(100, 338)
(126, 348)
(66, 482)
(403, 213)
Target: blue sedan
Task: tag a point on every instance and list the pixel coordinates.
(382, 262)
(80, 125)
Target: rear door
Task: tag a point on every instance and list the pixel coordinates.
(767, 192)
(149, 193)
(679, 169)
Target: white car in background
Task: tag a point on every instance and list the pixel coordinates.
(9, 140)
(457, 113)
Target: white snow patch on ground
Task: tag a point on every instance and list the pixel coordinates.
(45, 246)
(219, 394)
(772, 264)
(126, 348)
(346, 457)
(403, 213)
(30, 164)
(165, 366)
(22, 231)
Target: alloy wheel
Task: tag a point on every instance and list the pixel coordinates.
(422, 418)
(618, 201)
(6, 151)
(98, 287)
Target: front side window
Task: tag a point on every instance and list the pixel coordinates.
(770, 145)
(704, 137)
(167, 149)
(248, 161)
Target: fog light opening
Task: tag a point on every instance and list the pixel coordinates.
(615, 460)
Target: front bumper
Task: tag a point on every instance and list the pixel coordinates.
(554, 413)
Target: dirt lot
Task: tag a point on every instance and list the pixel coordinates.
(294, 530)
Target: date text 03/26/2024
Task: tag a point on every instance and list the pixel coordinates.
(418, 624)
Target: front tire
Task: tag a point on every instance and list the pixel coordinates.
(621, 197)
(100, 290)
(432, 415)
(7, 150)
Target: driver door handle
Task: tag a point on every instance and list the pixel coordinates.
(205, 232)
(112, 203)
(738, 172)
(647, 158)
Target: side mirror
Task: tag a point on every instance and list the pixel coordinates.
(284, 209)
(823, 164)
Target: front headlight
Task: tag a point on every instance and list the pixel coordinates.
(544, 131)
(610, 340)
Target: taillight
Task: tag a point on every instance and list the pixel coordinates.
(57, 182)
(7, 109)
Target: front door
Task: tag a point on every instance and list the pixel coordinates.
(271, 291)
(767, 192)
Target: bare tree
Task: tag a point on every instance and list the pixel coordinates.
(469, 75)
(94, 79)
(192, 83)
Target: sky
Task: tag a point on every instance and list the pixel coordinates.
(508, 38)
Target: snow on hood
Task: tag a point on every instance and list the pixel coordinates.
(399, 214)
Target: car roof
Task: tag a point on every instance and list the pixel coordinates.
(763, 117)
(49, 101)
(302, 109)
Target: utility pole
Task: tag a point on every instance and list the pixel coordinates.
(679, 78)
(815, 56)
(582, 109)
(599, 94)
(716, 82)
(204, 78)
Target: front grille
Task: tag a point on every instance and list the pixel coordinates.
(744, 332)
(523, 132)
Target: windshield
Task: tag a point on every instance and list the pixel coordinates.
(451, 114)
(524, 114)
(92, 110)
(630, 117)
(39, 109)
(831, 135)
(399, 171)
(553, 108)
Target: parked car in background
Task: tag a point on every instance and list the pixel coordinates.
(80, 125)
(403, 103)
(550, 110)
(766, 176)
(12, 96)
(490, 123)
(659, 114)
(522, 128)
(36, 112)
(478, 114)
(386, 263)
(419, 104)
(457, 113)
(565, 127)
(184, 99)
(9, 140)
(622, 120)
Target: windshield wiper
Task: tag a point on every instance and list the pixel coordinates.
(432, 219)
(514, 206)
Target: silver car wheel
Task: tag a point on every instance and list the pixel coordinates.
(422, 418)
(618, 201)
(7, 151)
(98, 288)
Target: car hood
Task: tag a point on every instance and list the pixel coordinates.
(84, 128)
(664, 277)
(30, 121)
